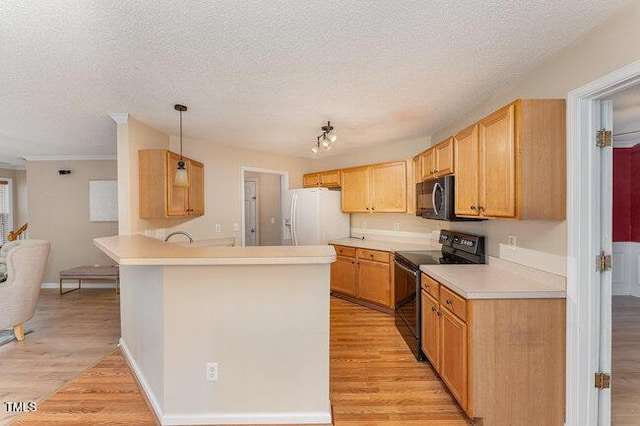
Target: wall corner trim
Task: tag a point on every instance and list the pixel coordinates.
(119, 117)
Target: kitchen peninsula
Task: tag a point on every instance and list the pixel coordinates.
(260, 313)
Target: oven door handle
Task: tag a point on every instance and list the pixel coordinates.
(412, 272)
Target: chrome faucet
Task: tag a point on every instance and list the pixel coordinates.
(186, 234)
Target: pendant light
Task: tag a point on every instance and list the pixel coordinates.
(181, 178)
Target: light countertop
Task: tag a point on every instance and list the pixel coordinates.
(392, 246)
(141, 250)
(492, 282)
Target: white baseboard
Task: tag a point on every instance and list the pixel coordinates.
(85, 284)
(220, 418)
(248, 419)
(153, 401)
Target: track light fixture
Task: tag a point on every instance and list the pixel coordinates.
(326, 139)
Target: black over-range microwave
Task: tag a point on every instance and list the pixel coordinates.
(435, 199)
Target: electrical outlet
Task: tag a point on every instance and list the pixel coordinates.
(236, 227)
(364, 224)
(513, 244)
(396, 226)
(212, 372)
(218, 227)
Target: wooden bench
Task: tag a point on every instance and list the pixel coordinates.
(110, 273)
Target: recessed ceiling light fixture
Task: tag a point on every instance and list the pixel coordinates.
(326, 139)
(181, 178)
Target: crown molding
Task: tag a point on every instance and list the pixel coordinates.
(119, 117)
(70, 158)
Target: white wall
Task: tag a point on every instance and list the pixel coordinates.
(59, 212)
(223, 192)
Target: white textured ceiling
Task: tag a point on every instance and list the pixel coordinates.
(264, 74)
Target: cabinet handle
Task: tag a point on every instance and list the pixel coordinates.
(472, 207)
(373, 208)
(367, 208)
(481, 208)
(371, 256)
(436, 171)
(449, 302)
(433, 309)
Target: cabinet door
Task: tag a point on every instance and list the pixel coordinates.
(428, 164)
(466, 166)
(430, 334)
(498, 163)
(355, 190)
(343, 275)
(389, 187)
(453, 364)
(311, 180)
(444, 158)
(196, 188)
(374, 282)
(177, 197)
(330, 179)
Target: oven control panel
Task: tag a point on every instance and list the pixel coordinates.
(465, 242)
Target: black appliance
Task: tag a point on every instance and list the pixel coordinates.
(457, 248)
(435, 199)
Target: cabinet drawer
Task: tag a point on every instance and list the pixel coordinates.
(431, 286)
(376, 256)
(453, 303)
(345, 251)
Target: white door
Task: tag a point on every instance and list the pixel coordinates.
(250, 213)
(606, 209)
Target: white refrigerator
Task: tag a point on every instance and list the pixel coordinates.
(313, 217)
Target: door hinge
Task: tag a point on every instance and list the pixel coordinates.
(602, 380)
(603, 262)
(603, 138)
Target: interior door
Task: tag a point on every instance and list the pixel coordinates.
(606, 209)
(250, 213)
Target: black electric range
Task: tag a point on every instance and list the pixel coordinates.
(457, 248)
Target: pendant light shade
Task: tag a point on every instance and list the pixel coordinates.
(181, 178)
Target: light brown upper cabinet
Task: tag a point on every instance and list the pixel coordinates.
(378, 188)
(158, 197)
(512, 163)
(438, 160)
(326, 179)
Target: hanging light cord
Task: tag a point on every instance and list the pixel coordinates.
(180, 134)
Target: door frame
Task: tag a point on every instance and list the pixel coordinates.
(284, 186)
(583, 242)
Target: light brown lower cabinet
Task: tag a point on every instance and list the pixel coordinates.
(363, 275)
(503, 360)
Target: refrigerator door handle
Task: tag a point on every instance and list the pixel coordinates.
(294, 199)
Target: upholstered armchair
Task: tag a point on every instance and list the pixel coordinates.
(25, 260)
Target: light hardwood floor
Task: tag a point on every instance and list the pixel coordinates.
(70, 333)
(374, 381)
(625, 360)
